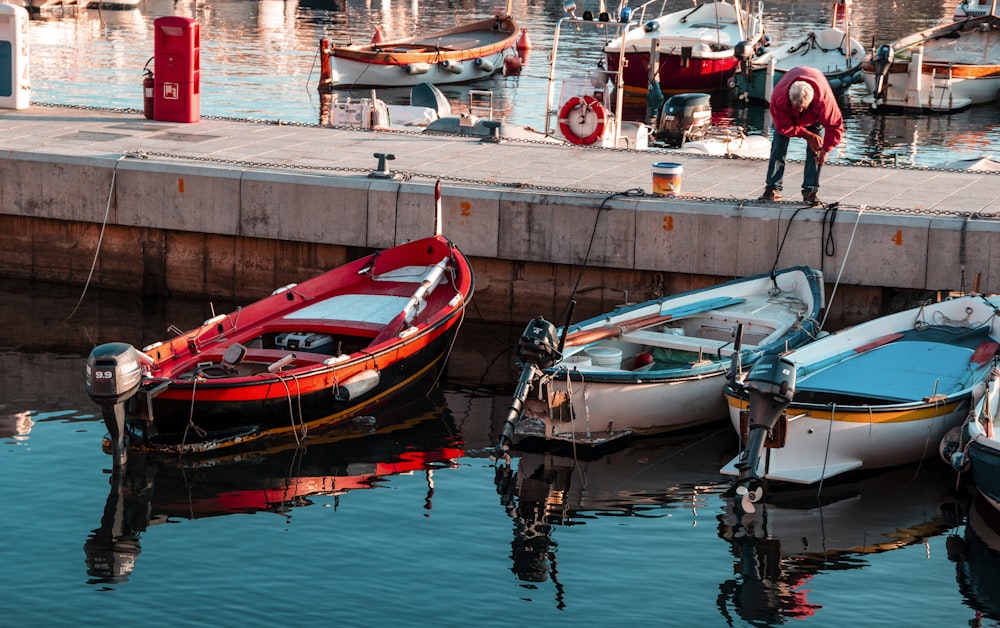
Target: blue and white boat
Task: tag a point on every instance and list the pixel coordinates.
(876, 395)
(657, 366)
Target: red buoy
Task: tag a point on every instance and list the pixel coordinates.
(511, 65)
(377, 35)
(523, 43)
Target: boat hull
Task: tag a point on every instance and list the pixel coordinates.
(200, 417)
(677, 75)
(822, 443)
(984, 457)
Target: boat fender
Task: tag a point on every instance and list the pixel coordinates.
(356, 385)
(625, 15)
(952, 450)
(451, 66)
(280, 364)
(511, 65)
(417, 68)
(651, 26)
(484, 65)
(523, 43)
(586, 104)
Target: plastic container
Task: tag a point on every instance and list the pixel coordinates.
(667, 178)
(579, 359)
(605, 356)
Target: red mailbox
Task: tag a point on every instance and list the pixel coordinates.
(177, 69)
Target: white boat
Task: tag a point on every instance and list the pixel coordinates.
(876, 395)
(825, 49)
(943, 68)
(691, 50)
(469, 52)
(657, 366)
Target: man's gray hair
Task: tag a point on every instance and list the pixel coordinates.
(800, 94)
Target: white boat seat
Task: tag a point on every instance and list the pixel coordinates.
(684, 343)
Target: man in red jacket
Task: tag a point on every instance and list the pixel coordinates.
(802, 105)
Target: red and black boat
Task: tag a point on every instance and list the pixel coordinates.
(312, 354)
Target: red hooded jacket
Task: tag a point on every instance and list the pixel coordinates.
(823, 108)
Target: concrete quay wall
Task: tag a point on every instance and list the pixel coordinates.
(224, 231)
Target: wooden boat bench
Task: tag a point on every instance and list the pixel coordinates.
(683, 343)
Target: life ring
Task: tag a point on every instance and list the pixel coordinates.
(571, 130)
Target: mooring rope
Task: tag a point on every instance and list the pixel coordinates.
(100, 239)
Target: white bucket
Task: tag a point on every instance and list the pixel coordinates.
(667, 178)
(579, 359)
(605, 356)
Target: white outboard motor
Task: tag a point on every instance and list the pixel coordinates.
(771, 387)
(114, 374)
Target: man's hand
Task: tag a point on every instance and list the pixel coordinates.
(814, 141)
(821, 158)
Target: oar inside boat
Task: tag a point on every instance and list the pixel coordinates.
(537, 349)
(770, 385)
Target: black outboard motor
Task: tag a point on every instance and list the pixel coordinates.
(114, 374)
(881, 61)
(684, 117)
(771, 387)
(537, 349)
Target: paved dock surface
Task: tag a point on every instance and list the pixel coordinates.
(68, 132)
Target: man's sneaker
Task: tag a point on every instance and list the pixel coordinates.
(810, 197)
(769, 195)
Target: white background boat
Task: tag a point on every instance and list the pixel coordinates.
(943, 68)
(825, 49)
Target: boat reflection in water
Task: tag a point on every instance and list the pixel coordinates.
(151, 489)
(798, 534)
(16, 426)
(977, 557)
(647, 478)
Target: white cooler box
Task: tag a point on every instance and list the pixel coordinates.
(304, 341)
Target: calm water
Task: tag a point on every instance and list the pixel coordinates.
(412, 525)
(259, 60)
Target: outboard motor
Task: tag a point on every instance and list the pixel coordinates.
(771, 387)
(537, 349)
(114, 374)
(882, 61)
(684, 117)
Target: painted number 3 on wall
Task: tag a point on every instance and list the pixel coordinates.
(668, 223)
